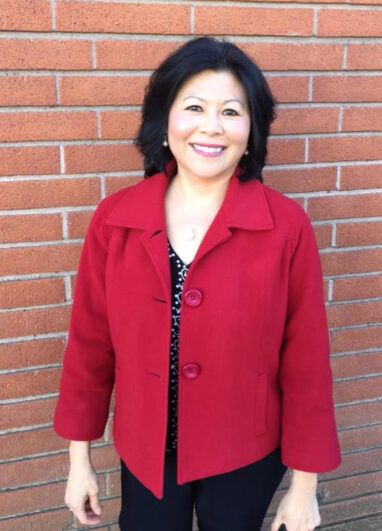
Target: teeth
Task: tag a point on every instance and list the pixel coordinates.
(208, 149)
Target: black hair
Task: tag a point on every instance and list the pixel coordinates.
(193, 57)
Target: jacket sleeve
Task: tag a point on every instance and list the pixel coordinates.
(87, 377)
(309, 439)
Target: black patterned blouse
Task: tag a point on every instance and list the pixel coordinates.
(179, 272)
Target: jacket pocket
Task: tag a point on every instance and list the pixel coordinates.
(260, 406)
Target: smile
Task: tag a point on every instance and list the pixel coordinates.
(209, 151)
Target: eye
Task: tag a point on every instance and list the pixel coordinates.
(235, 113)
(192, 107)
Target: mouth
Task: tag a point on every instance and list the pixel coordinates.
(208, 150)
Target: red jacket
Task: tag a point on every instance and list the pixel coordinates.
(254, 355)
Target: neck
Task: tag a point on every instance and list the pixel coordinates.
(202, 192)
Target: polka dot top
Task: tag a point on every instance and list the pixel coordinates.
(179, 272)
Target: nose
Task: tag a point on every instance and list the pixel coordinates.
(211, 124)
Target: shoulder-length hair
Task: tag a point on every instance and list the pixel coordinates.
(197, 55)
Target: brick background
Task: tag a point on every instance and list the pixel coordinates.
(72, 78)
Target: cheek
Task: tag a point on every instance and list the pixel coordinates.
(180, 125)
(238, 132)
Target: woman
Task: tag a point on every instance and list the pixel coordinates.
(199, 296)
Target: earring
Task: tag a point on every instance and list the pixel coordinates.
(165, 142)
(246, 152)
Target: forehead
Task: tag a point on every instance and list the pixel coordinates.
(221, 84)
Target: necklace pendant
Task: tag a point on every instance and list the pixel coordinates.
(190, 233)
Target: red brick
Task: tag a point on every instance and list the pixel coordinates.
(352, 486)
(350, 508)
(253, 21)
(349, 23)
(39, 497)
(26, 354)
(356, 414)
(24, 126)
(364, 461)
(289, 89)
(26, 15)
(113, 184)
(340, 206)
(31, 292)
(313, 120)
(344, 148)
(356, 313)
(356, 339)
(375, 2)
(27, 90)
(357, 365)
(29, 160)
(372, 521)
(300, 180)
(297, 1)
(352, 262)
(39, 258)
(288, 56)
(357, 438)
(283, 151)
(357, 389)
(135, 55)
(119, 124)
(102, 157)
(362, 119)
(47, 468)
(49, 193)
(27, 443)
(78, 223)
(364, 57)
(323, 235)
(347, 88)
(366, 233)
(27, 414)
(30, 228)
(357, 288)
(47, 520)
(102, 90)
(115, 483)
(30, 383)
(86, 16)
(28, 54)
(361, 176)
(34, 321)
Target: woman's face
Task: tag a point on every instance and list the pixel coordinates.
(209, 124)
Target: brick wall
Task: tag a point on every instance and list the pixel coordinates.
(71, 84)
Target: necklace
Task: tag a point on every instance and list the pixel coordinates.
(190, 232)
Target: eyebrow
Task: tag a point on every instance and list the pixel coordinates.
(225, 101)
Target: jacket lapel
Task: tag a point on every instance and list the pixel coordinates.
(245, 206)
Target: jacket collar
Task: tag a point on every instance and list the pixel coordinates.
(245, 204)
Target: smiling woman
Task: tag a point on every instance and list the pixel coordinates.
(200, 297)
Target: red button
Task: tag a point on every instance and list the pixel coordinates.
(191, 370)
(193, 297)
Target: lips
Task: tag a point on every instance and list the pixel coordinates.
(208, 149)
(208, 145)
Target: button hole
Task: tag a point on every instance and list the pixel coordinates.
(153, 373)
(159, 300)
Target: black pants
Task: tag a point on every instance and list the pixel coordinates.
(233, 501)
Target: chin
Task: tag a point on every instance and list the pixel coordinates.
(209, 168)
